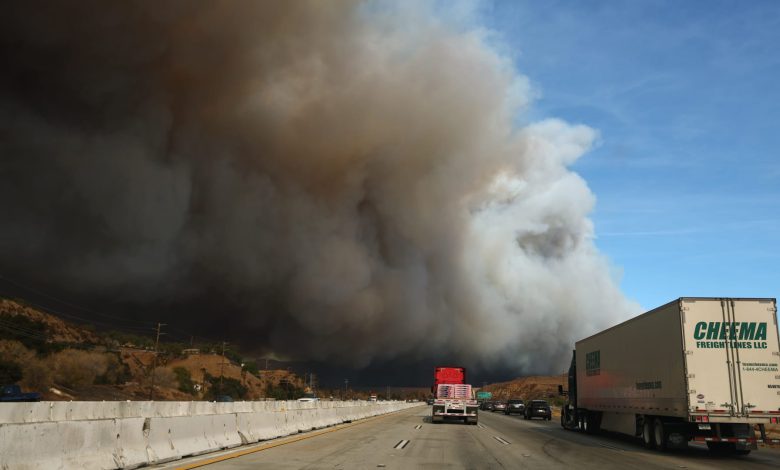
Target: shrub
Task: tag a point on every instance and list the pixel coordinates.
(37, 375)
(163, 378)
(29, 332)
(283, 391)
(252, 368)
(117, 372)
(10, 372)
(16, 351)
(76, 369)
(229, 386)
(184, 377)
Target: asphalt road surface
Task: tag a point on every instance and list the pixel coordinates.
(407, 440)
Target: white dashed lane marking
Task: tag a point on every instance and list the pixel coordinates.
(401, 444)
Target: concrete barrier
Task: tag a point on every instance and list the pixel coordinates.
(109, 435)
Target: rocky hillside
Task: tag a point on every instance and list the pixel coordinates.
(64, 361)
(56, 329)
(527, 388)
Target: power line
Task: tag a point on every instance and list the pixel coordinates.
(23, 334)
(86, 320)
(20, 328)
(70, 304)
(130, 329)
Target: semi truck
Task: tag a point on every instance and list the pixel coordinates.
(695, 369)
(453, 397)
(448, 375)
(455, 401)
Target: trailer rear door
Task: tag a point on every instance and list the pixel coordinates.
(732, 355)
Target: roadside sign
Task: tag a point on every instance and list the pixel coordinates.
(484, 395)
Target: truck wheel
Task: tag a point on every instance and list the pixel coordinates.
(660, 434)
(648, 437)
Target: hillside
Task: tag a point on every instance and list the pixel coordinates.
(56, 329)
(65, 361)
(527, 388)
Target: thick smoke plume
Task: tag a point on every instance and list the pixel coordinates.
(337, 181)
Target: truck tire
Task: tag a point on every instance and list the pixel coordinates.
(660, 434)
(648, 433)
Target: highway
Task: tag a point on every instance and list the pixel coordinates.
(407, 439)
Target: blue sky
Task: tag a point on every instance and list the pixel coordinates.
(686, 97)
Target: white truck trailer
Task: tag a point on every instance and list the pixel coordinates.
(455, 401)
(695, 369)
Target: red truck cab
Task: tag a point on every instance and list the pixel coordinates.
(448, 375)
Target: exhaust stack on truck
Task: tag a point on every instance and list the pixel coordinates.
(695, 369)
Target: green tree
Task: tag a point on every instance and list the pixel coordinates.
(184, 377)
(227, 386)
(252, 368)
(284, 391)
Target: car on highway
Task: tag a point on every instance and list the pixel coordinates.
(486, 405)
(514, 405)
(430, 401)
(12, 393)
(498, 406)
(538, 409)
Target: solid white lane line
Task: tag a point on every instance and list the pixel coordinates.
(401, 444)
(501, 440)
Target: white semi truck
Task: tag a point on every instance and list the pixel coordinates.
(695, 369)
(455, 401)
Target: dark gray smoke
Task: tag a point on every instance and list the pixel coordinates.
(344, 181)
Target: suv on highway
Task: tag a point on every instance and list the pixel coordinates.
(498, 406)
(538, 409)
(514, 405)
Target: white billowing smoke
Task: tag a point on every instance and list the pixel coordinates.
(351, 176)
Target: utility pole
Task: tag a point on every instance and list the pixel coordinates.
(222, 367)
(154, 359)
